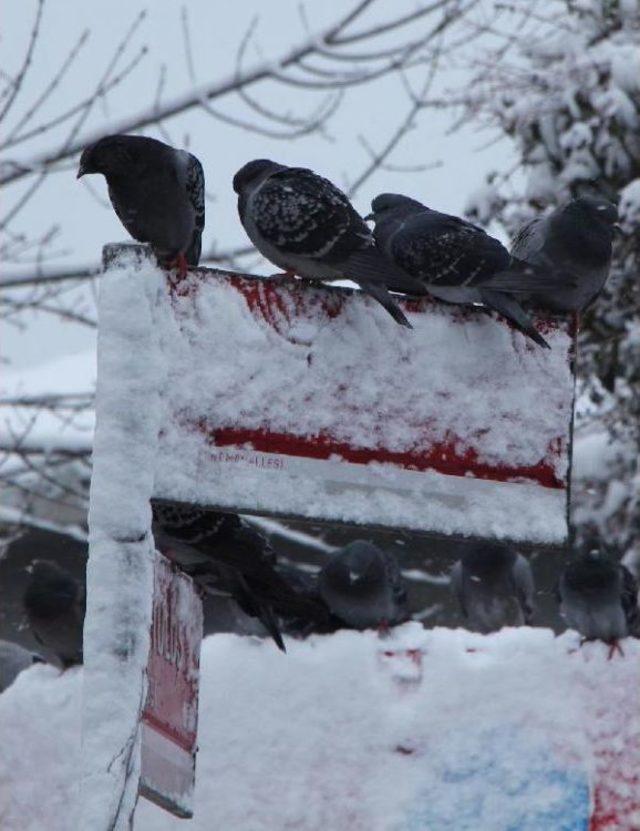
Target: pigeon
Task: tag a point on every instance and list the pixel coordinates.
(305, 225)
(13, 659)
(226, 556)
(454, 260)
(156, 191)
(574, 241)
(362, 586)
(494, 587)
(599, 598)
(54, 602)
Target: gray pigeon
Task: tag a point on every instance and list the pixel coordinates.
(575, 241)
(494, 586)
(156, 191)
(13, 659)
(363, 587)
(54, 602)
(305, 225)
(226, 556)
(599, 599)
(454, 260)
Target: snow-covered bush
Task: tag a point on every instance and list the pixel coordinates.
(564, 84)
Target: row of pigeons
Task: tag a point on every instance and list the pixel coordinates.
(307, 227)
(359, 587)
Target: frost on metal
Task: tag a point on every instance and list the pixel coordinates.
(282, 398)
(121, 550)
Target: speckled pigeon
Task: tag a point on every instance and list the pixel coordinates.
(226, 556)
(455, 260)
(156, 191)
(305, 225)
(54, 602)
(599, 598)
(362, 585)
(494, 587)
(13, 659)
(574, 241)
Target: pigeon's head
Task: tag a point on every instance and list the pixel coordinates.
(488, 560)
(50, 589)
(591, 572)
(593, 212)
(110, 155)
(356, 569)
(253, 172)
(393, 205)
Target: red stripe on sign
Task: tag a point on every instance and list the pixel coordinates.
(185, 740)
(444, 457)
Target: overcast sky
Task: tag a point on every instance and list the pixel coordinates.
(81, 208)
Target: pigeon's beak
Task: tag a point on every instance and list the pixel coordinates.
(81, 172)
(369, 217)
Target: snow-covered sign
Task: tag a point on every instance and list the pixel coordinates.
(294, 400)
(170, 716)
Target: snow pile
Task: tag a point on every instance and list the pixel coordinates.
(243, 358)
(423, 730)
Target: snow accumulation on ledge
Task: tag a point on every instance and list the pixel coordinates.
(289, 399)
(422, 730)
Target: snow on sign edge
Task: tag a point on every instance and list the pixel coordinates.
(121, 551)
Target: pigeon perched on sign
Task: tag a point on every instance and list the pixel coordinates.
(574, 242)
(362, 586)
(156, 191)
(226, 556)
(599, 599)
(454, 260)
(54, 602)
(494, 587)
(305, 225)
(13, 659)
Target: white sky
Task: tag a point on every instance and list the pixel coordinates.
(217, 28)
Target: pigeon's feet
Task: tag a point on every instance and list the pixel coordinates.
(181, 266)
(614, 647)
(384, 630)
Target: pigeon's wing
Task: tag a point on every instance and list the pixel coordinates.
(304, 214)
(195, 191)
(524, 586)
(456, 583)
(629, 599)
(529, 241)
(444, 250)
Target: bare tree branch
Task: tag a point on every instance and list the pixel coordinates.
(17, 82)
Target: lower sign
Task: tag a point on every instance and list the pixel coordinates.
(170, 717)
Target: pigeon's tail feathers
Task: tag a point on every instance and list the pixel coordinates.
(380, 293)
(510, 308)
(524, 278)
(194, 250)
(268, 620)
(369, 265)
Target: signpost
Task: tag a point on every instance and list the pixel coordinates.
(170, 716)
(285, 399)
